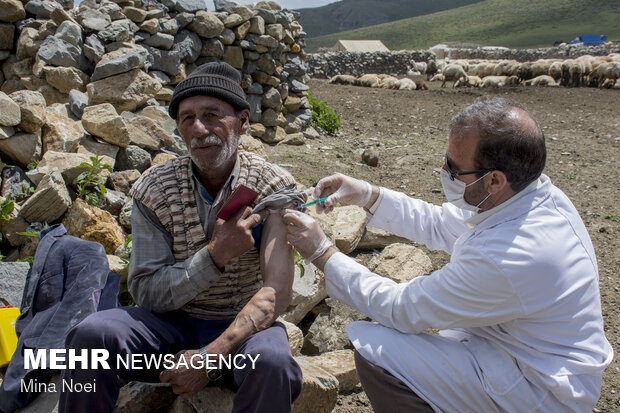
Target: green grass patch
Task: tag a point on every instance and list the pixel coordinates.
(510, 23)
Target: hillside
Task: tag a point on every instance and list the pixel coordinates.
(353, 14)
(510, 23)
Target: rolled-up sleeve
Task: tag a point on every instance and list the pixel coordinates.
(156, 280)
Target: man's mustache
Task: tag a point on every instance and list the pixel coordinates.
(211, 139)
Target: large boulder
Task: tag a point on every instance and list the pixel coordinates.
(66, 79)
(377, 239)
(350, 223)
(67, 163)
(104, 122)
(94, 224)
(327, 332)
(49, 202)
(210, 399)
(146, 132)
(21, 148)
(12, 282)
(206, 24)
(32, 105)
(92, 147)
(340, 364)
(136, 397)
(10, 113)
(120, 61)
(61, 134)
(401, 263)
(11, 11)
(59, 52)
(295, 336)
(319, 391)
(126, 91)
(167, 61)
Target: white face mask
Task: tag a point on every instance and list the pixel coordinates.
(455, 191)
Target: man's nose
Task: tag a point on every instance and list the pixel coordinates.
(199, 127)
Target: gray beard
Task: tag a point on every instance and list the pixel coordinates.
(227, 150)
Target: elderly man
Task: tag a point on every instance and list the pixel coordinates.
(208, 290)
(518, 305)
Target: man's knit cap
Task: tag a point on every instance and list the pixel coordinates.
(217, 79)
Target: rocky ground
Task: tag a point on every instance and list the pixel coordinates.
(409, 130)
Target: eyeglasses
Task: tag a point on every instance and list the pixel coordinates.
(453, 173)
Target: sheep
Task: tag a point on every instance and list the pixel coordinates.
(431, 68)
(463, 63)
(453, 72)
(494, 81)
(512, 80)
(419, 67)
(606, 71)
(484, 69)
(438, 77)
(343, 80)
(542, 80)
(555, 71)
(421, 85)
(407, 84)
(572, 73)
(369, 80)
(472, 81)
(505, 68)
(389, 82)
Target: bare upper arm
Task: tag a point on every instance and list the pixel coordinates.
(276, 257)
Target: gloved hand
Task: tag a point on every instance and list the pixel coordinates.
(341, 188)
(305, 234)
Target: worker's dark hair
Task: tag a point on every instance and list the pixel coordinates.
(512, 144)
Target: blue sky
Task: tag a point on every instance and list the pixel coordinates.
(291, 4)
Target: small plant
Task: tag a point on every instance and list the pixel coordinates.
(90, 183)
(32, 165)
(299, 261)
(27, 190)
(613, 217)
(570, 176)
(34, 234)
(6, 207)
(323, 116)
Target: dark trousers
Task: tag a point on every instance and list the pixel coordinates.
(387, 394)
(271, 387)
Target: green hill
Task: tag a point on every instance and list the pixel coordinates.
(353, 14)
(510, 23)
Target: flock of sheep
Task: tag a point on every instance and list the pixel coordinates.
(594, 71)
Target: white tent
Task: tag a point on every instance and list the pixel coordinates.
(360, 46)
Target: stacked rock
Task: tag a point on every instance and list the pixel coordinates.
(327, 65)
(131, 53)
(93, 81)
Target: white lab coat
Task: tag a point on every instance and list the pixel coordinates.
(519, 304)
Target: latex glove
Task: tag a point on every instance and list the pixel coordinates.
(341, 188)
(305, 234)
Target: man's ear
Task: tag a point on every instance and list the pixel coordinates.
(244, 121)
(499, 182)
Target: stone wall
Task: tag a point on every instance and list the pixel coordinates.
(326, 65)
(531, 55)
(107, 49)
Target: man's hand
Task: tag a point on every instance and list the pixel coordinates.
(233, 237)
(341, 188)
(186, 381)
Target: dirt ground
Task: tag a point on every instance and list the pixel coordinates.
(409, 131)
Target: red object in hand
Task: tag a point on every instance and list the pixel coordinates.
(243, 196)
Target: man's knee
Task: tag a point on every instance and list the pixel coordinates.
(98, 330)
